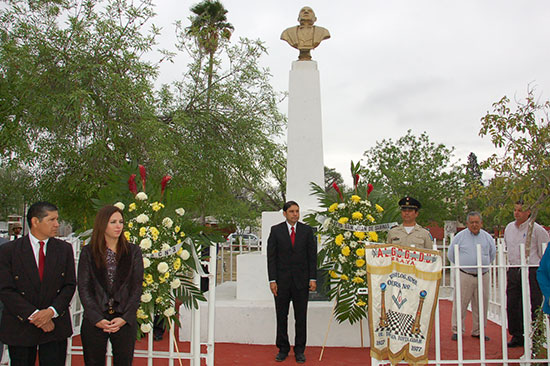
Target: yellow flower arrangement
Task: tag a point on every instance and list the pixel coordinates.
(344, 223)
(343, 220)
(373, 236)
(346, 251)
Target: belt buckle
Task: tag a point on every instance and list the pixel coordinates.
(111, 310)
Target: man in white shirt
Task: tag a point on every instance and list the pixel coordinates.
(514, 235)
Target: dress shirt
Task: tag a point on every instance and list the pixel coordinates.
(35, 244)
(467, 249)
(515, 235)
(290, 228)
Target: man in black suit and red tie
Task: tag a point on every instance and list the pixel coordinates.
(37, 283)
(292, 271)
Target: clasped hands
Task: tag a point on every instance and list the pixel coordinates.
(111, 326)
(274, 288)
(43, 319)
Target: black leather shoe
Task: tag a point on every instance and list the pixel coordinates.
(515, 342)
(300, 358)
(281, 357)
(477, 336)
(454, 337)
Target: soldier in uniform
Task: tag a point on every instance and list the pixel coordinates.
(409, 233)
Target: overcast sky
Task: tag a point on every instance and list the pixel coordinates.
(389, 66)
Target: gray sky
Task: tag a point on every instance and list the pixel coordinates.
(389, 66)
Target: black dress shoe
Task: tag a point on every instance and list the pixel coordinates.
(515, 342)
(300, 358)
(281, 357)
(477, 336)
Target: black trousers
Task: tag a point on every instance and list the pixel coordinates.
(49, 354)
(299, 298)
(94, 344)
(514, 306)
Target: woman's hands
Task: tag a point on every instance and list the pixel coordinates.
(112, 326)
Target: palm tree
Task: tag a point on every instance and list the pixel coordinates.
(208, 27)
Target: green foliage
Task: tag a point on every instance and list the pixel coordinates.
(77, 102)
(414, 165)
(229, 121)
(76, 98)
(522, 166)
(538, 335)
(15, 188)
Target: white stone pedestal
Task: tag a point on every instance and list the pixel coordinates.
(305, 135)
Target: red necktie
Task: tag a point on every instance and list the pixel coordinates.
(41, 260)
(292, 235)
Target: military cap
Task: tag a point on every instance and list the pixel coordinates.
(409, 202)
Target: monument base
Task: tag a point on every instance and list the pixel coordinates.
(253, 322)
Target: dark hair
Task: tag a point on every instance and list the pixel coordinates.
(39, 210)
(99, 246)
(287, 205)
(520, 202)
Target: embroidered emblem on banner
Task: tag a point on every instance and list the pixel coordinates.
(403, 287)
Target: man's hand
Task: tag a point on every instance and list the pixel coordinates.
(312, 285)
(115, 325)
(273, 288)
(103, 324)
(48, 327)
(42, 317)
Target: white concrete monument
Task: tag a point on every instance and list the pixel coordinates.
(305, 136)
(246, 309)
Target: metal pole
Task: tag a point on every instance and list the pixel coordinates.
(502, 293)
(196, 329)
(211, 306)
(457, 304)
(526, 301)
(481, 305)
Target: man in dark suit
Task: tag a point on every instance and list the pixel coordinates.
(37, 283)
(292, 270)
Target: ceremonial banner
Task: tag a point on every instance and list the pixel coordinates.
(403, 287)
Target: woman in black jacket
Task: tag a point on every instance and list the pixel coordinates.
(110, 275)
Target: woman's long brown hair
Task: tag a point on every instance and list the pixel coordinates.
(99, 246)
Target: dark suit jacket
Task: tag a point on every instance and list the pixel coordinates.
(22, 292)
(286, 263)
(126, 292)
